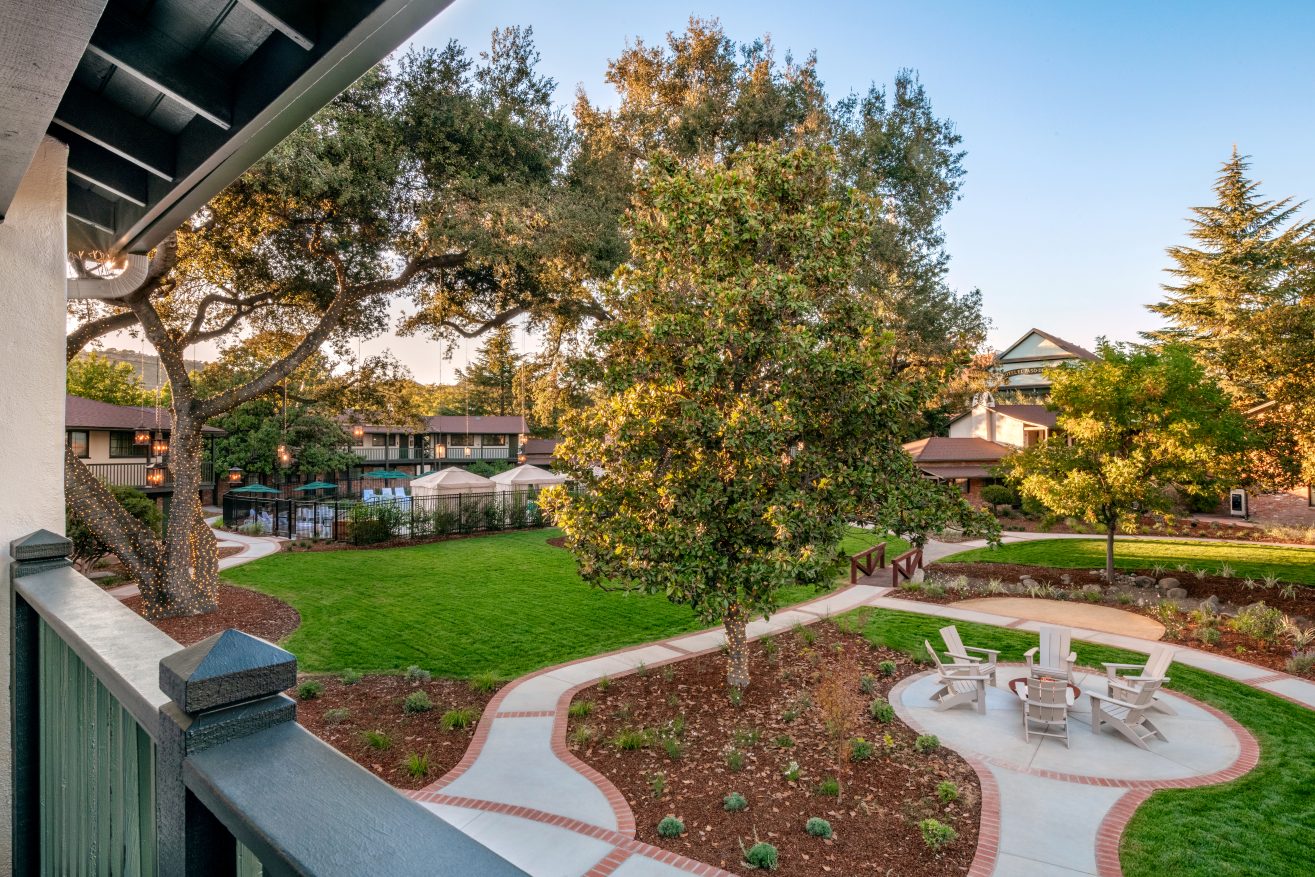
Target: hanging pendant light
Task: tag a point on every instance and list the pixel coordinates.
(155, 474)
(358, 432)
(235, 475)
(159, 445)
(142, 436)
(284, 455)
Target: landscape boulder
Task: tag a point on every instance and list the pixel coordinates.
(1169, 582)
(1144, 581)
(1177, 593)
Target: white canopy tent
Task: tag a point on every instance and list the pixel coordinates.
(525, 476)
(449, 482)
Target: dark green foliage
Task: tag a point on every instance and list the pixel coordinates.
(762, 856)
(818, 827)
(734, 803)
(310, 690)
(881, 710)
(859, 749)
(458, 719)
(417, 702)
(937, 834)
(926, 743)
(998, 495)
(670, 827)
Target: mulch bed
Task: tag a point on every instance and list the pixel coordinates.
(375, 704)
(1182, 528)
(875, 822)
(249, 611)
(1230, 590)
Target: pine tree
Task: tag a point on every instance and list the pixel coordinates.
(1243, 302)
(492, 379)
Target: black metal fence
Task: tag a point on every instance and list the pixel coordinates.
(383, 520)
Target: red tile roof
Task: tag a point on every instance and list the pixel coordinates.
(940, 449)
(538, 451)
(80, 413)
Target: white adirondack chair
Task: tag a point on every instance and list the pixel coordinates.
(1126, 712)
(959, 683)
(985, 659)
(1054, 657)
(1045, 709)
(1155, 668)
(368, 495)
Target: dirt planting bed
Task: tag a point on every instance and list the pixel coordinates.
(367, 722)
(694, 746)
(251, 612)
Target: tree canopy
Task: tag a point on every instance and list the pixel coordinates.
(745, 410)
(94, 376)
(1133, 427)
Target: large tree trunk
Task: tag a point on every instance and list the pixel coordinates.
(1109, 553)
(192, 571)
(737, 660)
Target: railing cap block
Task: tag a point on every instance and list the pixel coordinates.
(40, 545)
(225, 669)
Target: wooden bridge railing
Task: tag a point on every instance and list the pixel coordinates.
(903, 567)
(867, 562)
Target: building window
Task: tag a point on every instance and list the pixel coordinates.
(461, 440)
(495, 441)
(80, 443)
(376, 440)
(121, 445)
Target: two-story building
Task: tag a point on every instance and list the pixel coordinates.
(442, 440)
(104, 437)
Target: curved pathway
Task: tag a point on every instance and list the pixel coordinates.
(253, 548)
(520, 791)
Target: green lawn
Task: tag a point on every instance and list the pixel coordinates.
(1259, 824)
(1246, 559)
(505, 604)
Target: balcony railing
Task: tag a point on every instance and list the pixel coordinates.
(133, 755)
(453, 454)
(134, 474)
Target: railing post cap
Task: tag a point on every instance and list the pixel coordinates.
(227, 668)
(40, 545)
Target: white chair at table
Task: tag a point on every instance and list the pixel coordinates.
(1125, 712)
(1045, 709)
(1154, 670)
(1054, 657)
(960, 682)
(985, 659)
(367, 495)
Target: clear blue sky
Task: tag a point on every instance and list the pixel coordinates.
(1090, 128)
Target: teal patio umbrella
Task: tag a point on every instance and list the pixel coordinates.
(254, 488)
(318, 485)
(387, 475)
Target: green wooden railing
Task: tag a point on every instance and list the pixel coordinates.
(135, 757)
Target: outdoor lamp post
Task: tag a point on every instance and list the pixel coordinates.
(155, 474)
(235, 475)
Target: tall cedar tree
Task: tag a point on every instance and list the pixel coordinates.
(492, 383)
(1133, 425)
(745, 411)
(440, 179)
(1243, 302)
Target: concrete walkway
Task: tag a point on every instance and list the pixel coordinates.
(1048, 807)
(1089, 616)
(520, 791)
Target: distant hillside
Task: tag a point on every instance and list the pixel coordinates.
(145, 366)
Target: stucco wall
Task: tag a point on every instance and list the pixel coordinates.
(32, 266)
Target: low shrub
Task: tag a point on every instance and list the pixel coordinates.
(806, 635)
(349, 677)
(926, 743)
(887, 668)
(784, 741)
(674, 748)
(417, 765)
(1210, 636)
(670, 826)
(458, 719)
(580, 708)
(583, 735)
(630, 739)
(415, 674)
(417, 702)
(818, 827)
(867, 683)
(377, 740)
(336, 716)
(1262, 622)
(657, 784)
(484, 682)
(735, 760)
(791, 772)
(859, 749)
(937, 834)
(1301, 663)
(762, 856)
(309, 690)
(947, 791)
(829, 787)
(881, 710)
(604, 683)
(734, 803)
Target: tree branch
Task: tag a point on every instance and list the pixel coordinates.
(89, 332)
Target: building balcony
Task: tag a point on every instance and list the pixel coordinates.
(427, 455)
(134, 474)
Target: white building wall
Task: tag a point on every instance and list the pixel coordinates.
(32, 268)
